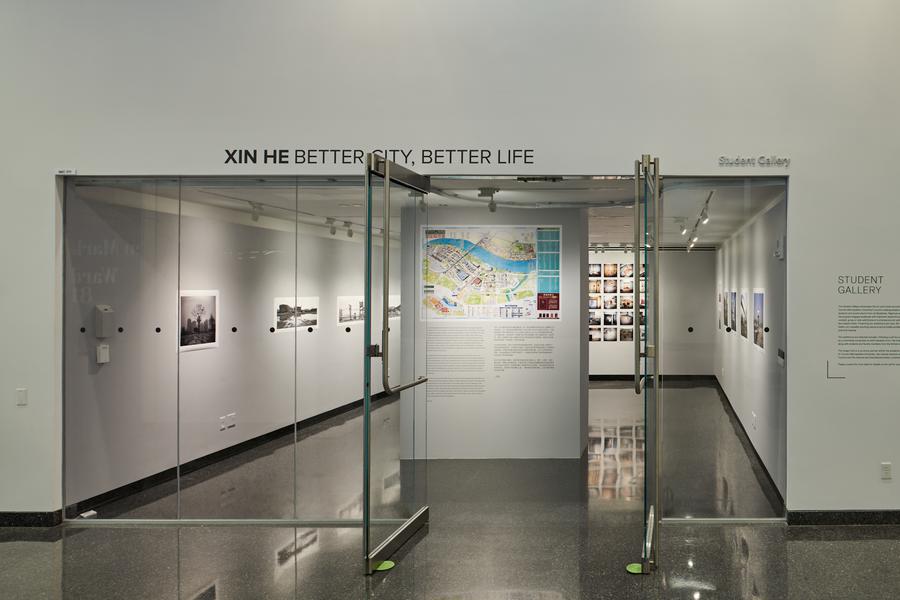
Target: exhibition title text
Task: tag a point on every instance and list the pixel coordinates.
(859, 284)
(356, 156)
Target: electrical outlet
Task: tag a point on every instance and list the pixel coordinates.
(886, 470)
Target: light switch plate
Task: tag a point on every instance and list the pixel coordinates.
(21, 396)
(886, 471)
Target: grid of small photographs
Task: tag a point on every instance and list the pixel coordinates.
(613, 315)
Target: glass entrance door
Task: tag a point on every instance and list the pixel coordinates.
(394, 441)
(647, 218)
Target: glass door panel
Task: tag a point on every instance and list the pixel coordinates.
(394, 399)
(331, 279)
(646, 230)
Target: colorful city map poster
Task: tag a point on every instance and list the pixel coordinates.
(491, 272)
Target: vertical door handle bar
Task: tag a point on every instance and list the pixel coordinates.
(638, 380)
(386, 275)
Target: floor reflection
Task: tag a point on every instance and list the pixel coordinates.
(708, 466)
(319, 478)
(615, 444)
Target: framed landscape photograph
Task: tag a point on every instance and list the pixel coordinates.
(291, 313)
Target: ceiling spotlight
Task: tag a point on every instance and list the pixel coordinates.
(255, 210)
(332, 227)
(487, 192)
(683, 229)
(704, 216)
(694, 240)
(347, 224)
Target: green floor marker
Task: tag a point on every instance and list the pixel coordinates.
(387, 565)
(634, 568)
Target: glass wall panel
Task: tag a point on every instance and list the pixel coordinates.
(237, 346)
(331, 254)
(120, 342)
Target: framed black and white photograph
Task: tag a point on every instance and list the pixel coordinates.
(626, 334)
(610, 318)
(350, 309)
(198, 313)
(291, 313)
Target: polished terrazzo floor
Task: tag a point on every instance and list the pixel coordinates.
(500, 530)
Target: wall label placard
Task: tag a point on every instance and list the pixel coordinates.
(868, 330)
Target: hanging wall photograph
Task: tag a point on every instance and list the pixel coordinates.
(744, 314)
(732, 310)
(759, 323)
(291, 313)
(350, 309)
(198, 313)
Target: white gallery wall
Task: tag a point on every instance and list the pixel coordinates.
(687, 289)
(105, 87)
(755, 378)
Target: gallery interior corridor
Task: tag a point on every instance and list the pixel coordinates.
(500, 529)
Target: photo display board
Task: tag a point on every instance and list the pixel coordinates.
(502, 273)
(613, 317)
